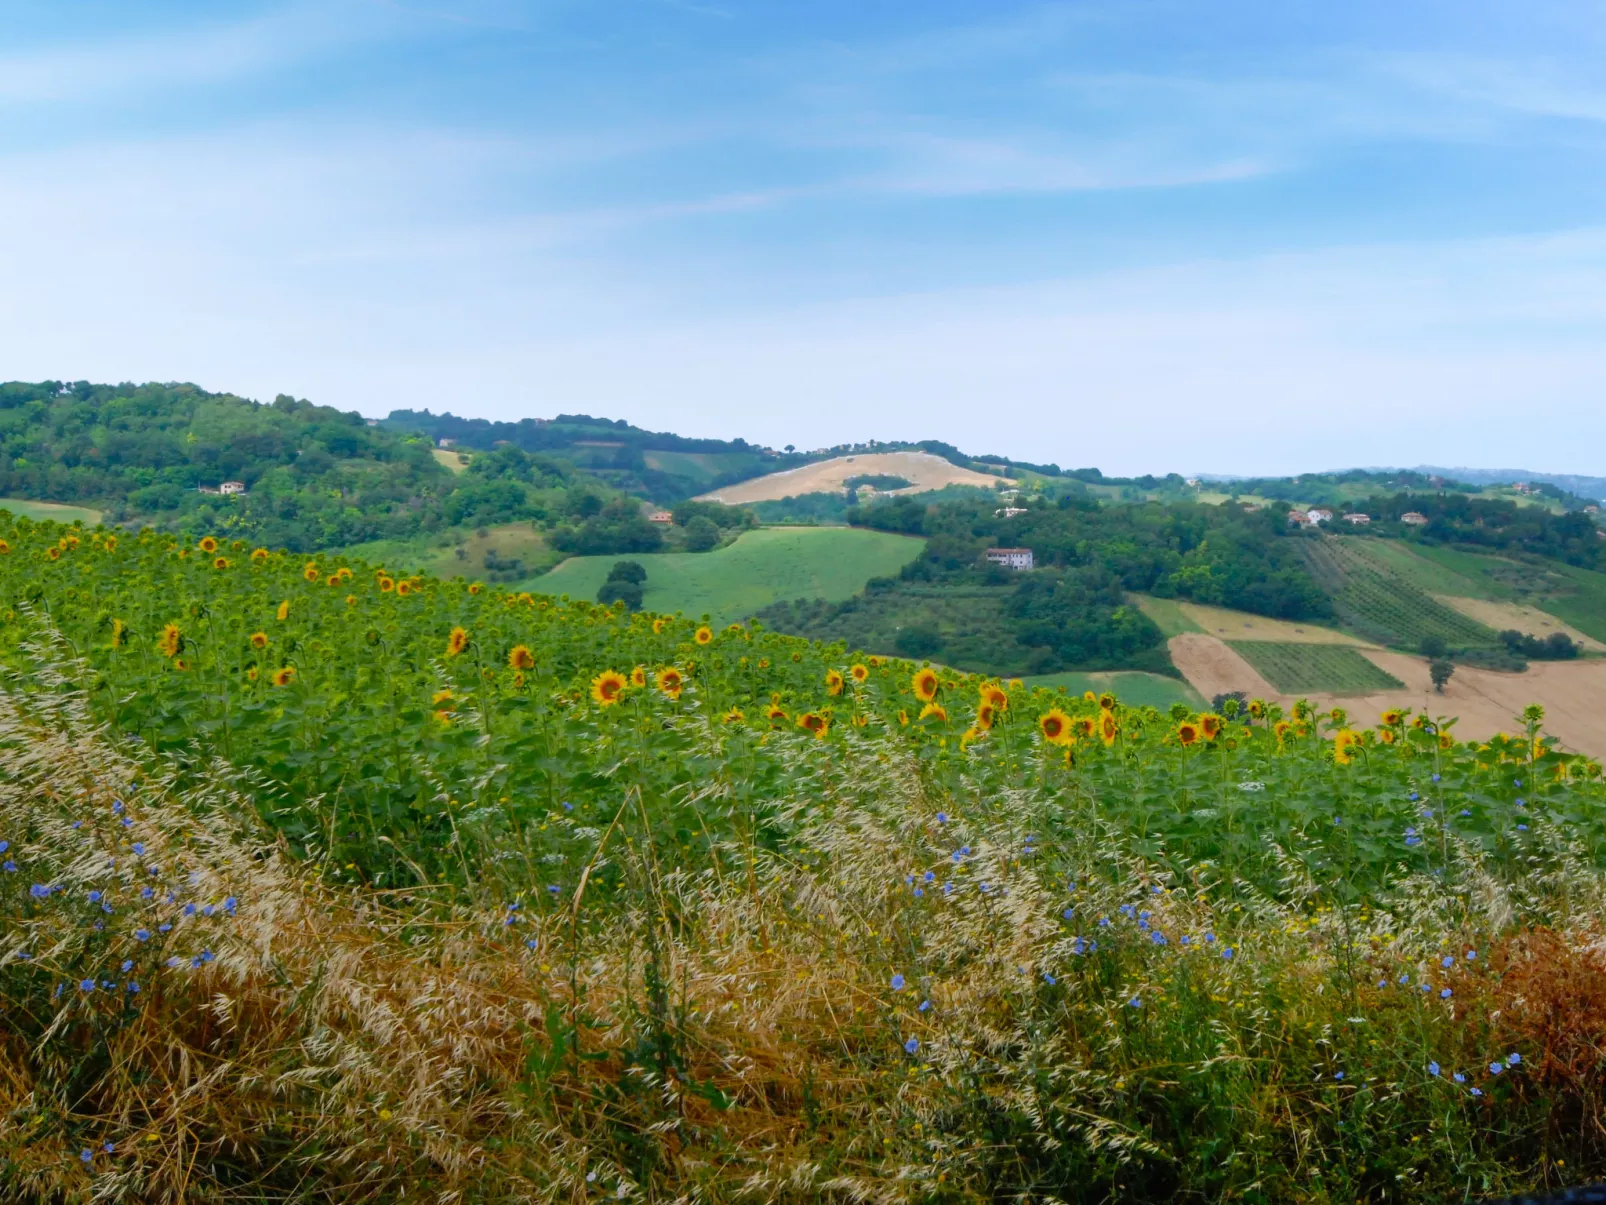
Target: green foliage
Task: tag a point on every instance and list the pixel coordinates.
(1298, 668)
(1572, 537)
(1558, 646)
(1441, 671)
(615, 528)
(315, 477)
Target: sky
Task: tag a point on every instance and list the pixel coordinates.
(1273, 236)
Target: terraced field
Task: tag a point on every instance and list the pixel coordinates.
(1306, 668)
(1377, 600)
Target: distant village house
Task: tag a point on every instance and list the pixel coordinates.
(1319, 515)
(232, 487)
(1414, 518)
(1009, 512)
(660, 516)
(1010, 558)
(445, 443)
(1359, 520)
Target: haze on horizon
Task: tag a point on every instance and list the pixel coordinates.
(1248, 238)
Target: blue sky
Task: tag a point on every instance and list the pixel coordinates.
(1252, 237)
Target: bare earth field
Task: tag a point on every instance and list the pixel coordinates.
(1573, 693)
(1504, 615)
(927, 472)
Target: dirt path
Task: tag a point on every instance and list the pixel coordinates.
(1573, 693)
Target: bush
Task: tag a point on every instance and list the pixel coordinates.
(1558, 646)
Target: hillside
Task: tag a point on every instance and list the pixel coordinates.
(917, 471)
(443, 892)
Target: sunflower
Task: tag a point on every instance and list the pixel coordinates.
(1210, 725)
(638, 676)
(251, 674)
(259, 640)
(858, 673)
(1089, 697)
(1257, 708)
(1055, 726)
(180, 664)
(813, 721)
(283, 612)
(474, 587)
(258, 555)
(924, 684)
(456, 642)
(1107, 726)
(607, 686)
(971, 735)
(763, 663)
(520, 657)
(903, 718)
(658, 626)
(860, 720)
(208, 545)
(404, 588)
(1084, 726)
(1106, 702)
(284, 675)
(834, 682)
(442, 699)
(53, 553)
(995, 696)
(775, 714)
(703, 635)
(221, 562)
(933, 711)
(1446, 741)
(733, 716)
(119, 633)
(333, 581)
(386, 584)
(1188, 732)
(1392, 718)
(111, 543)
(1343, 745)
(1339, 716)
(1281, 728)
(171, 641)
(670, 681)
(5, 548)
(351, 600)
(984, 717)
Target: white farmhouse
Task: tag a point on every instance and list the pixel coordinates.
(1010, 558)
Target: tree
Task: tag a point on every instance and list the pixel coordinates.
(1440, 670)
(627, 571)
(702, 534)
(1433, 647)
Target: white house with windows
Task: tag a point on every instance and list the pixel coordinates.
(1010, 558)
(232, 487)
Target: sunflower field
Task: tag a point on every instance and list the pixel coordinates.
(323, 882)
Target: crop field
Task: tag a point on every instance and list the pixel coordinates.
(761, 567)
(923, 470)
(1378, 602)
(1461, 574)
(1306, 668)
(1168, 615)
(324, 883)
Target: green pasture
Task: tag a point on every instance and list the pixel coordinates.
(60, 512)
(1131, 687)
(463, 552)
(1167, 614)
(761, 567)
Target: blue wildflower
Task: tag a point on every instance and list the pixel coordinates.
(231, 903)
(164, 927)
(133, 988)
(530, 943)
(1433, 1068)
(1049, 979)
(189, 909)
(117, 806)
(897, 983)
(1522, 828)
(1459, 1078)
(1445, 994)
(947, 888)
(1104, 922)
(919, 892)
(109, 1147)
(78, 824)
(128, 965)
(10, 866)
(1227, 953)
(1077, 946)
(1472, 955)
(1447, 962)
(1513, 1059)
(94, 897)
(86, 985)
(1496, 1068)
(1435, 778)
(1157, 937)
(1338, 1075)
(1186, 940)
(4, 845)
(1068, 913)
(912, 1045)
(552, 888)
(1210, 939)
(1134, 1003)
(139, 847)
(965, 849)
(86, 1154)
(924, 1005)
(986, 887)
(930, 876)
(1477, 1091)
(942, 817)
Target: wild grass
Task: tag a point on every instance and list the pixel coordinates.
(1051, 1015)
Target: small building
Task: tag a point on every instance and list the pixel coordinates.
(1319, 515)
(1299, 518)
(660, 516)
(1358, 519)
(1592, 510)
(1009, 512)
(1414, 518)
(1010, 558)
(1522, 487)
(445, 443)
(232, 487)
(207, 489)
(1192, 483)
